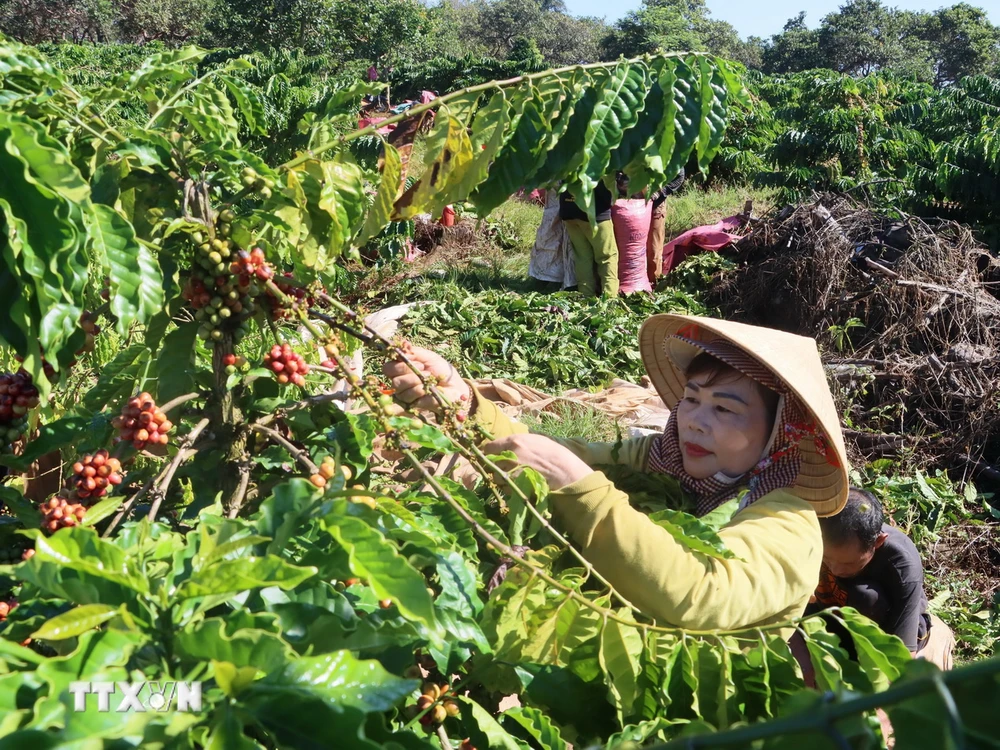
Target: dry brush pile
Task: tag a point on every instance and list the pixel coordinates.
(907, 316)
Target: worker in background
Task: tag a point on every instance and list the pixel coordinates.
(595, 253)
(657, 227)
(876, 569)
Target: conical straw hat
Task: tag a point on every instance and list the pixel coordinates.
(794, 360)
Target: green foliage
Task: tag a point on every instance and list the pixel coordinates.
(301, 605)
(550, 341)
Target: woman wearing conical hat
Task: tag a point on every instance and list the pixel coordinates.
(750, 411)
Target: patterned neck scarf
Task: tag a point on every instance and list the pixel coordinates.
(778, 467)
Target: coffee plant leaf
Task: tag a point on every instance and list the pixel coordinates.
(284, 512)
(538, 726)
(714, 93)
(640, 733)
(656, 663)
(116, 379)
(402, 525)
(832, 664)
(525, 149)
(175, 65)
(459, 585)
(567, 626)
(96, 653)
(212, 115)
(74, 564)
(675, 148)
(484, 730)
(232, 680)
(761, 674)
(689, 531)
(649, 120)
(42, 197)
(23, 65)
(621, 647)
(475, 507)
(331, 684)
(341, 198)
(232, 576)
(75, 622)
(227, 734)
(376, 560)
(22, 509)
(570, 701)
(425, 435)
(489, 133)
(448, 156)
(175, 363)
(617, 111)
(880, 654)
(102, 509)
(251, 106)
(136, 280)
(380, 213)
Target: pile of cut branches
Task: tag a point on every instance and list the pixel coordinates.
(906, 313)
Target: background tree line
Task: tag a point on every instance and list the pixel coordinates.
(454, 36)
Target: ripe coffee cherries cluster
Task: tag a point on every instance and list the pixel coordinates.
(94, 475)
(142, 423)
(221, 296)
(327, 471)
(233, 363)
(429, 695)
(91, 329)
(252, 265)
(18, 394)
(300, 298)
(59, 513)
(287, 366)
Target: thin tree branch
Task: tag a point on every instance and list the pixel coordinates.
(184, 452)
(128, 505)
(241, 491)
(175, 402)
(298, 454)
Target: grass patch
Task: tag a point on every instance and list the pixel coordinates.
(569, 420)
(518, 221)
(694, 207)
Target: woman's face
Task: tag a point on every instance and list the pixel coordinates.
(722, 427)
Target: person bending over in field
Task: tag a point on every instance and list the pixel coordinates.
(876, 569)
(752, 416)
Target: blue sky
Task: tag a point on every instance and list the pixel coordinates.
(766, 17)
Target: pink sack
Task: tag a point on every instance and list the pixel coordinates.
(712, 237)
(631, 218)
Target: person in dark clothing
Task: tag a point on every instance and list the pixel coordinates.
(876, 569)
(595, 253)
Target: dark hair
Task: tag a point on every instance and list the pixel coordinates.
(716, 370)
(861, 521)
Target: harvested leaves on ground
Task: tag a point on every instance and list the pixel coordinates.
(549, 341)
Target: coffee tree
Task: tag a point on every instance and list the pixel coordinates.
(212, 512)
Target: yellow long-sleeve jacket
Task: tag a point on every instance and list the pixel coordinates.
(776, 540)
